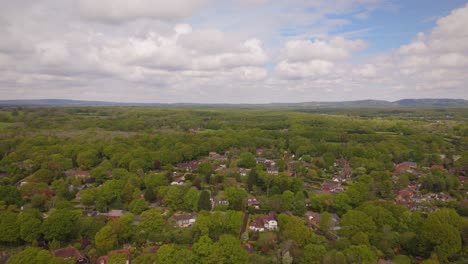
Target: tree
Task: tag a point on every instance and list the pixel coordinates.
(172, 254)
(360, 254)
(228, 250)
(106, 239)
(137, 206)
(149, 195)
(87, 159)
(236, 197)
(312, 254)
(266, 242)
(88, 196)
(62, 225)
(118, 258)
(246, 160)
(191, 199)
(355, 221)
(33, 255)
(173, 197)
(287, 199)
(30, 225)
(326, 222)
(299, 206)
(252, 179)
(205, 169)
(292, 227)
(203, 248)
(9, 228)
(10, 195)
(440, 229)
(287, 258)
(151, 224)
(204, 202)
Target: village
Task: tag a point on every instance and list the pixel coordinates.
(258, 215)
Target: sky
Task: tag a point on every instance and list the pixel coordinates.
(233, 51)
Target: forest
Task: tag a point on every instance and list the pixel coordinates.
(143, 185)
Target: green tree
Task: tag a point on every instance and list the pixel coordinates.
(106, 239)
(236, 197)
(204, 202)
(246, 160)
(172, 254)
(360, 254)
(62, 225)
(151, 224)
(313, 254)
(137, 206)
(203, 248)
(10, 195)
(293, 228)
(228, 250)
(30, 223)
(326, 222)
(87, 159)
(355, 221)
(205, 169)
(191, 199)
(287, 200)
(118, 258)
(33, 255)
(440, 229)
(9, 228)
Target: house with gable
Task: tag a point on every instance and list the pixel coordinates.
(71, 253)
(264, 223)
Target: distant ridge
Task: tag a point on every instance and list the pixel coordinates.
(359, 103)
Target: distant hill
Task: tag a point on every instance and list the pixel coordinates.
(358, 103)
(432, 102)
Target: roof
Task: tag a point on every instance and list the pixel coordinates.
(436, 166)
(116, 213)
(182, 217)
(68, 252)
(329, 184)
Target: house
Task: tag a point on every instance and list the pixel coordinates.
(178, 181)
(345, 170)
(272, 170)
(260, 160)
(89, 212)
(126, 252)
(436, 166)
(252, 202)
(270, 163)
(70, 253)
(244, 172)
(264, 223)
(312, 217)
(404, 196)
(330, 186)
(114, 214)
(405, 167)
(462, 179)
(217, 157)
(189, 166)
(185, 220)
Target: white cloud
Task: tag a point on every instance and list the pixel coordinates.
(123, 10)
(297, 70)
(256, 51)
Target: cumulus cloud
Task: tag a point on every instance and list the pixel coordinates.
(123, 10)
(55, 49)
(312, 59)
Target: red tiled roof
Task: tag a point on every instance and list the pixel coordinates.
(68, 252)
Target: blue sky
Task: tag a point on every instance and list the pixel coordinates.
(233, 51)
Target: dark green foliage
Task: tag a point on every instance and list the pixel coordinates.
(204, 202)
